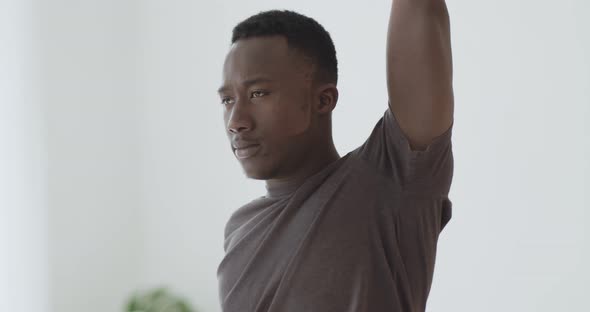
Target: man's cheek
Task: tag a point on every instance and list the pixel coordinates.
(296, 120)
(294, 116)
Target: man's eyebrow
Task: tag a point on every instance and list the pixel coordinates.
(247, 83)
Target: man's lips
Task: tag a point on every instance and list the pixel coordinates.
(246, 150)
(243, 144)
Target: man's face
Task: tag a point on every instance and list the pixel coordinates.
(267, 99)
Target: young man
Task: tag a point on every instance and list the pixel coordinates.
(351, 233)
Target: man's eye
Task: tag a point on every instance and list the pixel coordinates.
(258, 94)
(226, 100)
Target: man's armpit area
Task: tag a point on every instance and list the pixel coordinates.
(403, 141)
(429, 170)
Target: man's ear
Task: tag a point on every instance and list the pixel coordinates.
(326, 98)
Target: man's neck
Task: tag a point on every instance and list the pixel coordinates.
(310, 168)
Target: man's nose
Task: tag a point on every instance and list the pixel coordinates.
(240, 119)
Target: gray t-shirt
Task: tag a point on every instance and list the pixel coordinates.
(360, 235)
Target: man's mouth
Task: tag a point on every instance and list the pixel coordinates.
(247, 151)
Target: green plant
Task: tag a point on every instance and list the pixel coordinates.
(157, 300)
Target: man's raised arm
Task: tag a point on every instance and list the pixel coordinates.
(419, 69)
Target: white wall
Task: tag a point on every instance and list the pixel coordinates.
(89, 85)
(23, 210)
(519, 239)
(185, 159)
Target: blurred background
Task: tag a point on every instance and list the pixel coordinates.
(116, 175)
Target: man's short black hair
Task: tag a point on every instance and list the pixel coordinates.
(303, 33)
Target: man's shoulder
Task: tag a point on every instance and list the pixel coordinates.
(246, 212)
(355, 177)
(363, 170)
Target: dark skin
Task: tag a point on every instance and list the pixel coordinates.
(276, 112)
(419, 69)
(285, 119)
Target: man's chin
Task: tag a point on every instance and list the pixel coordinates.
(260, 168)
(256, 173)
(255, 176)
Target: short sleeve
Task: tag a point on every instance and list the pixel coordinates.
(388, 150)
